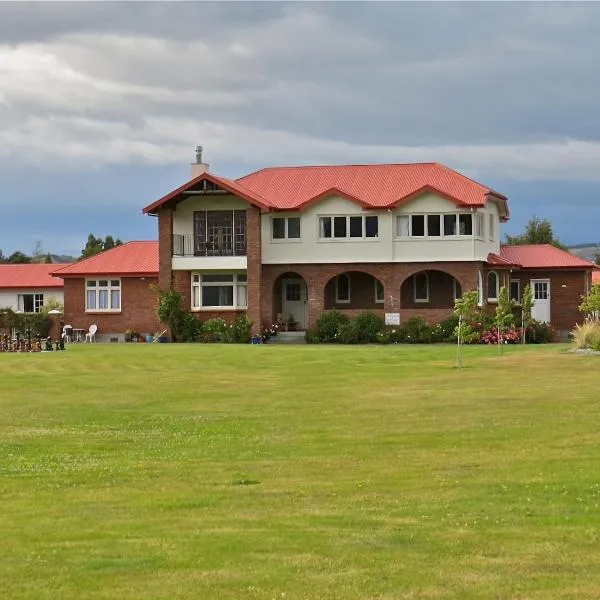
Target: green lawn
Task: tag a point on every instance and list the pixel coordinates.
(301, 472)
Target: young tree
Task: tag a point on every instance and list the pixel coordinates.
(48, 259)
(526, 306)
(537, 231)
(590, 305)
(504, 317)
(465, 309)
(95, 245)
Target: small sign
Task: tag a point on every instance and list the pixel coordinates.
(392, 318)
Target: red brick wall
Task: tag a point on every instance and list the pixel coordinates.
(165, 246)
(362, 293)
(138, 307)
(254, 269)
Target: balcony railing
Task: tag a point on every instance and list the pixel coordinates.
(190, 245)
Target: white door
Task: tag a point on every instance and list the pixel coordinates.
(541, 300)
(294, 301)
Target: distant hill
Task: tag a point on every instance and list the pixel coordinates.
(587, 251)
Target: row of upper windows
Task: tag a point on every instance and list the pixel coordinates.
(449, 225)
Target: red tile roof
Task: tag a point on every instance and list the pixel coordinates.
(543, 256)
(130, 259)
(372, 186)
(29, 276)
(498, 261)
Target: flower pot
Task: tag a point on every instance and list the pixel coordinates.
(149, 339)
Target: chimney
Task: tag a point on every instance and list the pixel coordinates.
(199, 167)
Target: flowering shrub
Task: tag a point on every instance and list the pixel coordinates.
(268, 332)
(510, 336)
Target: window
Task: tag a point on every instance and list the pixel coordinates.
(465, 224)
(492, 227)
(457, 290)
(449, 224)
(479, 225)
(220, 233)
(540, 290)
(479, 289)
(515, 290)
(403, 225)
(349, 227)
(285, 228)
(30, 303)
(219, 290)
(492, 285)
(434, 228)
(379, 295)
(417, 225)
(342, 288)
(421, 287)
(103, 295)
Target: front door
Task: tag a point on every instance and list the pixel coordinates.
(541, 300)
(294, 302)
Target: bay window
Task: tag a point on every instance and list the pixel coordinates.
(219, 291)
(349, 227)
(103, 295)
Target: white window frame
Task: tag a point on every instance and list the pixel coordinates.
(347, 237)
(337, 291)
(493, 299)
(239, 280)
(518, 282)
(421, 300)
(286, 237)
(479, 230)
(443, 235)
(37, 300)
(492, 227)
(479, 288)
(109, 289)
(379, 299)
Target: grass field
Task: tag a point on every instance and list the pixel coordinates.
(258, 472)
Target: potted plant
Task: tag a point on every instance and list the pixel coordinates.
(135, 336)
(128, 335)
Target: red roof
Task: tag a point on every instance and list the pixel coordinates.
(596, 277)
(543, 256)
(371, 186)
(130, 259)
(29, 276)
(498, 261)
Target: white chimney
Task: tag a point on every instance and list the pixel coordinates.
(199, 167)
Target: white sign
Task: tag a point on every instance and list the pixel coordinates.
(392, 318)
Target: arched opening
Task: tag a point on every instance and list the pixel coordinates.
(290, 294)
(430, 290)
(354, 290)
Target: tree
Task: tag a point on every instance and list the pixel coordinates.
(596, 259)
(18, 258)
(537, 231)
(526, 306)
(38, 254)
(95, 245)
(48, 259)
(465, 309)
(504, 317)
(590, 305)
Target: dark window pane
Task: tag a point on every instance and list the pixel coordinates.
(356, 227)
(515, 290)
(216, 278)
(492, 285)
(457, 290)
(325, 227)
(421, 291)
(278, 228)
(217, 295)
(418, 225)
(294, 227)
(449, 224)
(378, 291)
(372, 226)
(239, 218)
(339, 227)
(343, 288)
(465, 224)
(433, 225)
(200, 232)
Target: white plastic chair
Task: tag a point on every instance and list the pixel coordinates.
(91, 334)
(68, 333)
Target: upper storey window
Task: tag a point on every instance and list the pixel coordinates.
(285, 228)
(220, 233)
(434, 225)
(349, 227)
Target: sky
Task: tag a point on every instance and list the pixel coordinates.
(102, 104)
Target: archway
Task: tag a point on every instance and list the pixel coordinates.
(430, 289)
(290, 295)
(354, 290)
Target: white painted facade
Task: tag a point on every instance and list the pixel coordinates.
(9, 298)
(388, 246)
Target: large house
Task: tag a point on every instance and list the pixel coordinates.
(402, 240)
(29, 287)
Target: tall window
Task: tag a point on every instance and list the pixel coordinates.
(103, 295)
(219, 290)
(349, 227)
(283, 228)
(379, 292)
(457, 290)
(421, 287)
(515, 290)
(30, 303)
(479, 225)
(493, 282)
(220, 233)
(403, 225)
(342, 288)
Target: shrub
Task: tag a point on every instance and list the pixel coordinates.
(329, 324)
(31, 324)
(312, 336)
(415, 331)
(389, 335)
(242, 329)
(447, 330)
(539, 333)
(586, 335)
(190, 329)
(368, 325)
(509, 336)
(348, 333)
(214, 330)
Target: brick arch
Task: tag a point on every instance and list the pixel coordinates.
(464, 273)
(362, 291)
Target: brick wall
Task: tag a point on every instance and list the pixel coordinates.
(165, 247)
(138, 307)
(254, 268)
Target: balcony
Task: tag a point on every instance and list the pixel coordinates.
(192, 252)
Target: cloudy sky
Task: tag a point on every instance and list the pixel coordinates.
(101, 104)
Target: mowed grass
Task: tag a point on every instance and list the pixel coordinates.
(310, 472)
